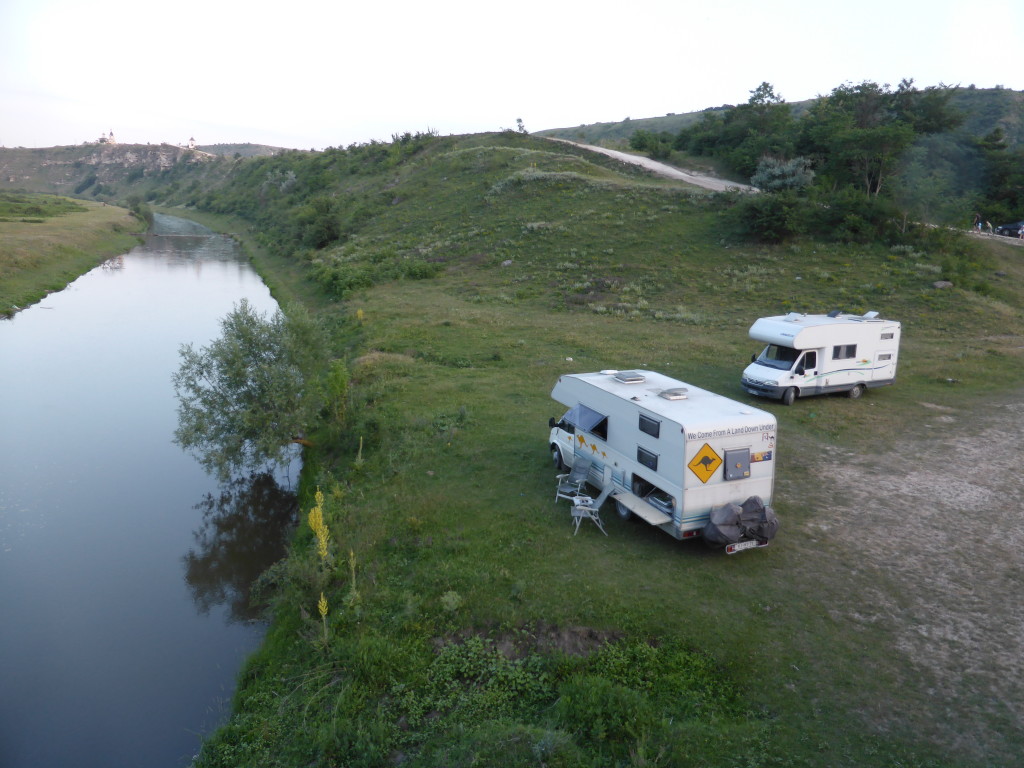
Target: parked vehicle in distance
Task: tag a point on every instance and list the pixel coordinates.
(1010, 230)
(818, 354)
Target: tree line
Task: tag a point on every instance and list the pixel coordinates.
(862, 163)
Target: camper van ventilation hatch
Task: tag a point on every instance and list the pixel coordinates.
(676, 393)
(629, 377)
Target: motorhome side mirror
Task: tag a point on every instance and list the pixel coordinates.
(552, 423)
(753, 358)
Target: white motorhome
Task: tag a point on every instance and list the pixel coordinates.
(818, 354)
(667, 451)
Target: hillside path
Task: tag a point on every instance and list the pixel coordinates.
(697, 179)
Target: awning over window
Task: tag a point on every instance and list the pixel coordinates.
(584, 418)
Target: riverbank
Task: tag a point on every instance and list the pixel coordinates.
(42, 255)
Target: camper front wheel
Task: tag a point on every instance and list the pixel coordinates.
(856, 392)
(556, 459)
(789, 396)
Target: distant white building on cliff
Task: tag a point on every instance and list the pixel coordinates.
(106, 138)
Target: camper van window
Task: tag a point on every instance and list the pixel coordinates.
(844, 352)
(648, 459)
(588, 420)
(886, 356)
(650, 426)
(888, 335)
(780, 358)
(809, 361)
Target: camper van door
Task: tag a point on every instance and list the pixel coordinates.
(806, 370)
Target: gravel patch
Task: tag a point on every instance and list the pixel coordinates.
(936, 530)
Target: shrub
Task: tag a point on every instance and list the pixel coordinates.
(774, 175)
(600, 710)
(768, 217)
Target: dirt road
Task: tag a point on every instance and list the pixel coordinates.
(697, 179)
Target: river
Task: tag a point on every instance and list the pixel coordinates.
(124, 567)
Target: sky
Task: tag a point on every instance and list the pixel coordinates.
(311, 74)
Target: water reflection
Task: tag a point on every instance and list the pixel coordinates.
(244, 531)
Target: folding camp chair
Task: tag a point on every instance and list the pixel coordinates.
(586, 508)
(570, 485)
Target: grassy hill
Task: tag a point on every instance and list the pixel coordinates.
(466, 625)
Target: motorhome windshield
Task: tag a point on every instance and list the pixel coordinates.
(780, 358)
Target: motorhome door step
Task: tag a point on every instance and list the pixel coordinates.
(641, 508)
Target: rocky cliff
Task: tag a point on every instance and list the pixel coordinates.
(78, 170)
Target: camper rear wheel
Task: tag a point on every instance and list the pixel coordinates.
(623, 510)
(556, 459)
(640, 488)
(789, 396)
(856, 392)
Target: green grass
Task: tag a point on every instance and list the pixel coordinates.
(46, 241)
(545, 263)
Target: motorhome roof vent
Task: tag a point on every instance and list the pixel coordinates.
(676, 393)
(629, 377)
(871, 315)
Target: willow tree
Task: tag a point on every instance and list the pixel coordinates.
(253, 392)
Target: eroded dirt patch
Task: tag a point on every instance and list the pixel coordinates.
(935, 530)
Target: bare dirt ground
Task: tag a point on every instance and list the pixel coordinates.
(928, 543)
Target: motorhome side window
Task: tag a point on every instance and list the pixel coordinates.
(648, 459)
(844, 352)
(650, 426)
(888, 335)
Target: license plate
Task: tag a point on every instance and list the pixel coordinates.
(739, 546)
